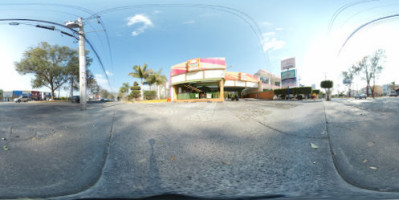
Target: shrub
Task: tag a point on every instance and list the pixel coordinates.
(150, 94)
(134, 94)
(316, 91)
(299, 97)
(135, 88)
(327, 84)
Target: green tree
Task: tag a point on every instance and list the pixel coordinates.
(327, 85)
(135, 90)
(142, 73)
(125, 88)
(348, 78)
(49, 64)
(151, 79)
(371, 67)
(104, 93)
(160, 79)
(376, 67)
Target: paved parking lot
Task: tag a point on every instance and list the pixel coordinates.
(245, 148)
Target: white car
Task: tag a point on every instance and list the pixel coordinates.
(21, 99)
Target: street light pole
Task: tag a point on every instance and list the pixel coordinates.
(82, 61)
(82, 65)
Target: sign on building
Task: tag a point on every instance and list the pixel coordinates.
(291, 82)
(193, 64)
(287, 63)
(288, 74)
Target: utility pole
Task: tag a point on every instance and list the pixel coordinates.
(82, 61)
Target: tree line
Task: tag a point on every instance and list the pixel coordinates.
(369, 67)
(148, 77)
(54, 67)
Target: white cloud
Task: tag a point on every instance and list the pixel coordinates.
(108, 73)
(189, 22)
(271, 43)
(101, 80)
(279, 29)
(139, 19)
(268, 34)
(265, 23)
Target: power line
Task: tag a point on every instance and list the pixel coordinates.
(74, 31)
(364, 25)
(80, 8)
(243, 16)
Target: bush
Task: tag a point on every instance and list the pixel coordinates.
(326, 84)
(316, 91)
(299, 97)
(293, 91)
(150, 94)
(134, 94)
(135, 88)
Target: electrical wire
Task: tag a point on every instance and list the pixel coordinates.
(80, 8)
(364, 25)
(74, 32)
(242, 15)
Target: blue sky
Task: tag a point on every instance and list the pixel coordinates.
(169, 32)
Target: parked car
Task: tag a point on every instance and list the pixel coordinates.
(21, 99)
(393, 94)
(360, 96)
(75, 99)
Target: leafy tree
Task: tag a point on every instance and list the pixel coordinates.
(49, 64)
(327, 85)
(104, 93)
(110, 96)
(348, 76)
(142, 73)
(125, 88)
(135, 91)
(371, 67)
(73, 74)
(151, 79)
(160, 79)
(375, 67)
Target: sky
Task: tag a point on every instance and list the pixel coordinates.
(251, 35)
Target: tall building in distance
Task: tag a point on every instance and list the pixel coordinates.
(269, 80)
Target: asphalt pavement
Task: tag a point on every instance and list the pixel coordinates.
(231, 149)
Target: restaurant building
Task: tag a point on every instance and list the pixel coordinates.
(206, 79)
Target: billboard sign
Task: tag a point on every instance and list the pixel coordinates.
(287, 63)
(288, 74)
(291, 82)
(193, 64)
(347, 81)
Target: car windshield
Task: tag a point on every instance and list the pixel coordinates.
(199, 99)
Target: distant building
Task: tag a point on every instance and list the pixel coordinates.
(269, 80)
(387, 88)
(378, 91)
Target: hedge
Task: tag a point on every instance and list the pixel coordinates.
(316, 91)
(293, 91)
(150, 94)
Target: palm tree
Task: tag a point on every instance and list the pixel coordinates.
(142, 73)
(125, 88)
(160, 79)
(151, 79)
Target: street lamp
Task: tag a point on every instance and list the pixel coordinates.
(82, 60)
